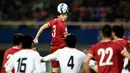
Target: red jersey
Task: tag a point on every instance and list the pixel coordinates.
(124, 42)
(7, 56)
(59, 29)
(128, 42)
(108, 55)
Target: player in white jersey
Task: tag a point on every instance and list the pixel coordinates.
(125, 70)
(69, 57)
(26, 60)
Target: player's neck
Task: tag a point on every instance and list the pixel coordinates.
(105, 38)
(116, 38)
(59, 18)
(16, 46)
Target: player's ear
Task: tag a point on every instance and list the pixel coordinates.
(21, 44)
(113, 34)
(101, 34)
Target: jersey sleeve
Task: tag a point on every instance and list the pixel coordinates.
(122, 49)
(9, 66)
(91, 51)
(64, 30)
(53, 56)
(51, 22)
(37, 63)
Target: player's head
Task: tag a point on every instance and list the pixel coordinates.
(62, 10)
(118, 31)
(27, 42)
(106, 31)
(71, 41)
(17, 38)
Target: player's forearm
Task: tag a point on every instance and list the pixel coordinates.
(65, 35)
(39, 32)
(86, 64)
(86, 68)
(44, 26)
(94, 68)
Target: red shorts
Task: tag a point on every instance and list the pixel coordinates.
(55, 63)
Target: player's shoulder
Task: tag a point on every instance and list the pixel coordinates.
(102, 43)
(122, 40)
(60, 50)
(119, 44)
(10, 50)
(96, 45)
(126, 40)
(35, 53)
(119, 41)
(27, 51)
(53, 20)
(80, 52)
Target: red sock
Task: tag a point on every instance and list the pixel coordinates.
(53, 72)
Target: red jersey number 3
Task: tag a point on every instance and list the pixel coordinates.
(53, 30)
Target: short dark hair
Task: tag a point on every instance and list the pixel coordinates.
(60, 13)
(17, 38)
(118, 30)
(71, 41)
(27, 41)
(106, 30)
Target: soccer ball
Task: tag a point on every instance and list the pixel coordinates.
(62, 8)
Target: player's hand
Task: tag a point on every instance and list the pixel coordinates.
(35, 40)
(41, 59)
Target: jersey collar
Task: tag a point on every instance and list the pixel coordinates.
(69, 48)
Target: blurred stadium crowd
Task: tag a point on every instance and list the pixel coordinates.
(80, 10)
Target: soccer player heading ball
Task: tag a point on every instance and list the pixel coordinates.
(59, 32)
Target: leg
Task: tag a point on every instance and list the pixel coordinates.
(55, 66)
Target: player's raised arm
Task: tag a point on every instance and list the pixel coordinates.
(44, 26)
